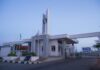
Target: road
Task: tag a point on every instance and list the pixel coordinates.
(81, 64)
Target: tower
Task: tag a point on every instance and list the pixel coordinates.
(45, 23)
(45, 34)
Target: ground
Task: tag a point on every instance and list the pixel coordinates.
(79, 64)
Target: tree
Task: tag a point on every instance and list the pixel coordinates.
(97, 46)
(98, 57)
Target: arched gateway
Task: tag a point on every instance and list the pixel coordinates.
(45, 44)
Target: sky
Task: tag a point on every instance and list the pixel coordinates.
(65, 17)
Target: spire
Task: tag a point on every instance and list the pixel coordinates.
(45, 23)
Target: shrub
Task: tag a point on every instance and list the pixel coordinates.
(97, 46)
(12, 54)
(28, 54)
(33, 54)
(1, 59)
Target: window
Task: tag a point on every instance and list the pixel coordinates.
(53, 48)
(42, 48)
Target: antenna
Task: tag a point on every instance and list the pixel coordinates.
(20, 36)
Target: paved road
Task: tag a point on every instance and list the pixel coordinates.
(81, 64)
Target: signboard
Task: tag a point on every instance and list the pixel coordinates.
(21, 47)
(86, 49)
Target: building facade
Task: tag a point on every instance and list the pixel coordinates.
(44, 44)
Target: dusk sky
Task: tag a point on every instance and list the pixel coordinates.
(65, 17)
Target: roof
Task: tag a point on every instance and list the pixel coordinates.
(64, 36)
(85, 35)
(59, 36)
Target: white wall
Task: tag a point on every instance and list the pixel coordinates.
(54, 43)
(5, 51)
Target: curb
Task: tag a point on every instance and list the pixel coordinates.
(22, 62)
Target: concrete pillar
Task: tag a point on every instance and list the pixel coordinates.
(46, 45)
(38, 47)
(12, 47)
(73, 50)
(29, 46)
(33, 45)
(64, 49)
